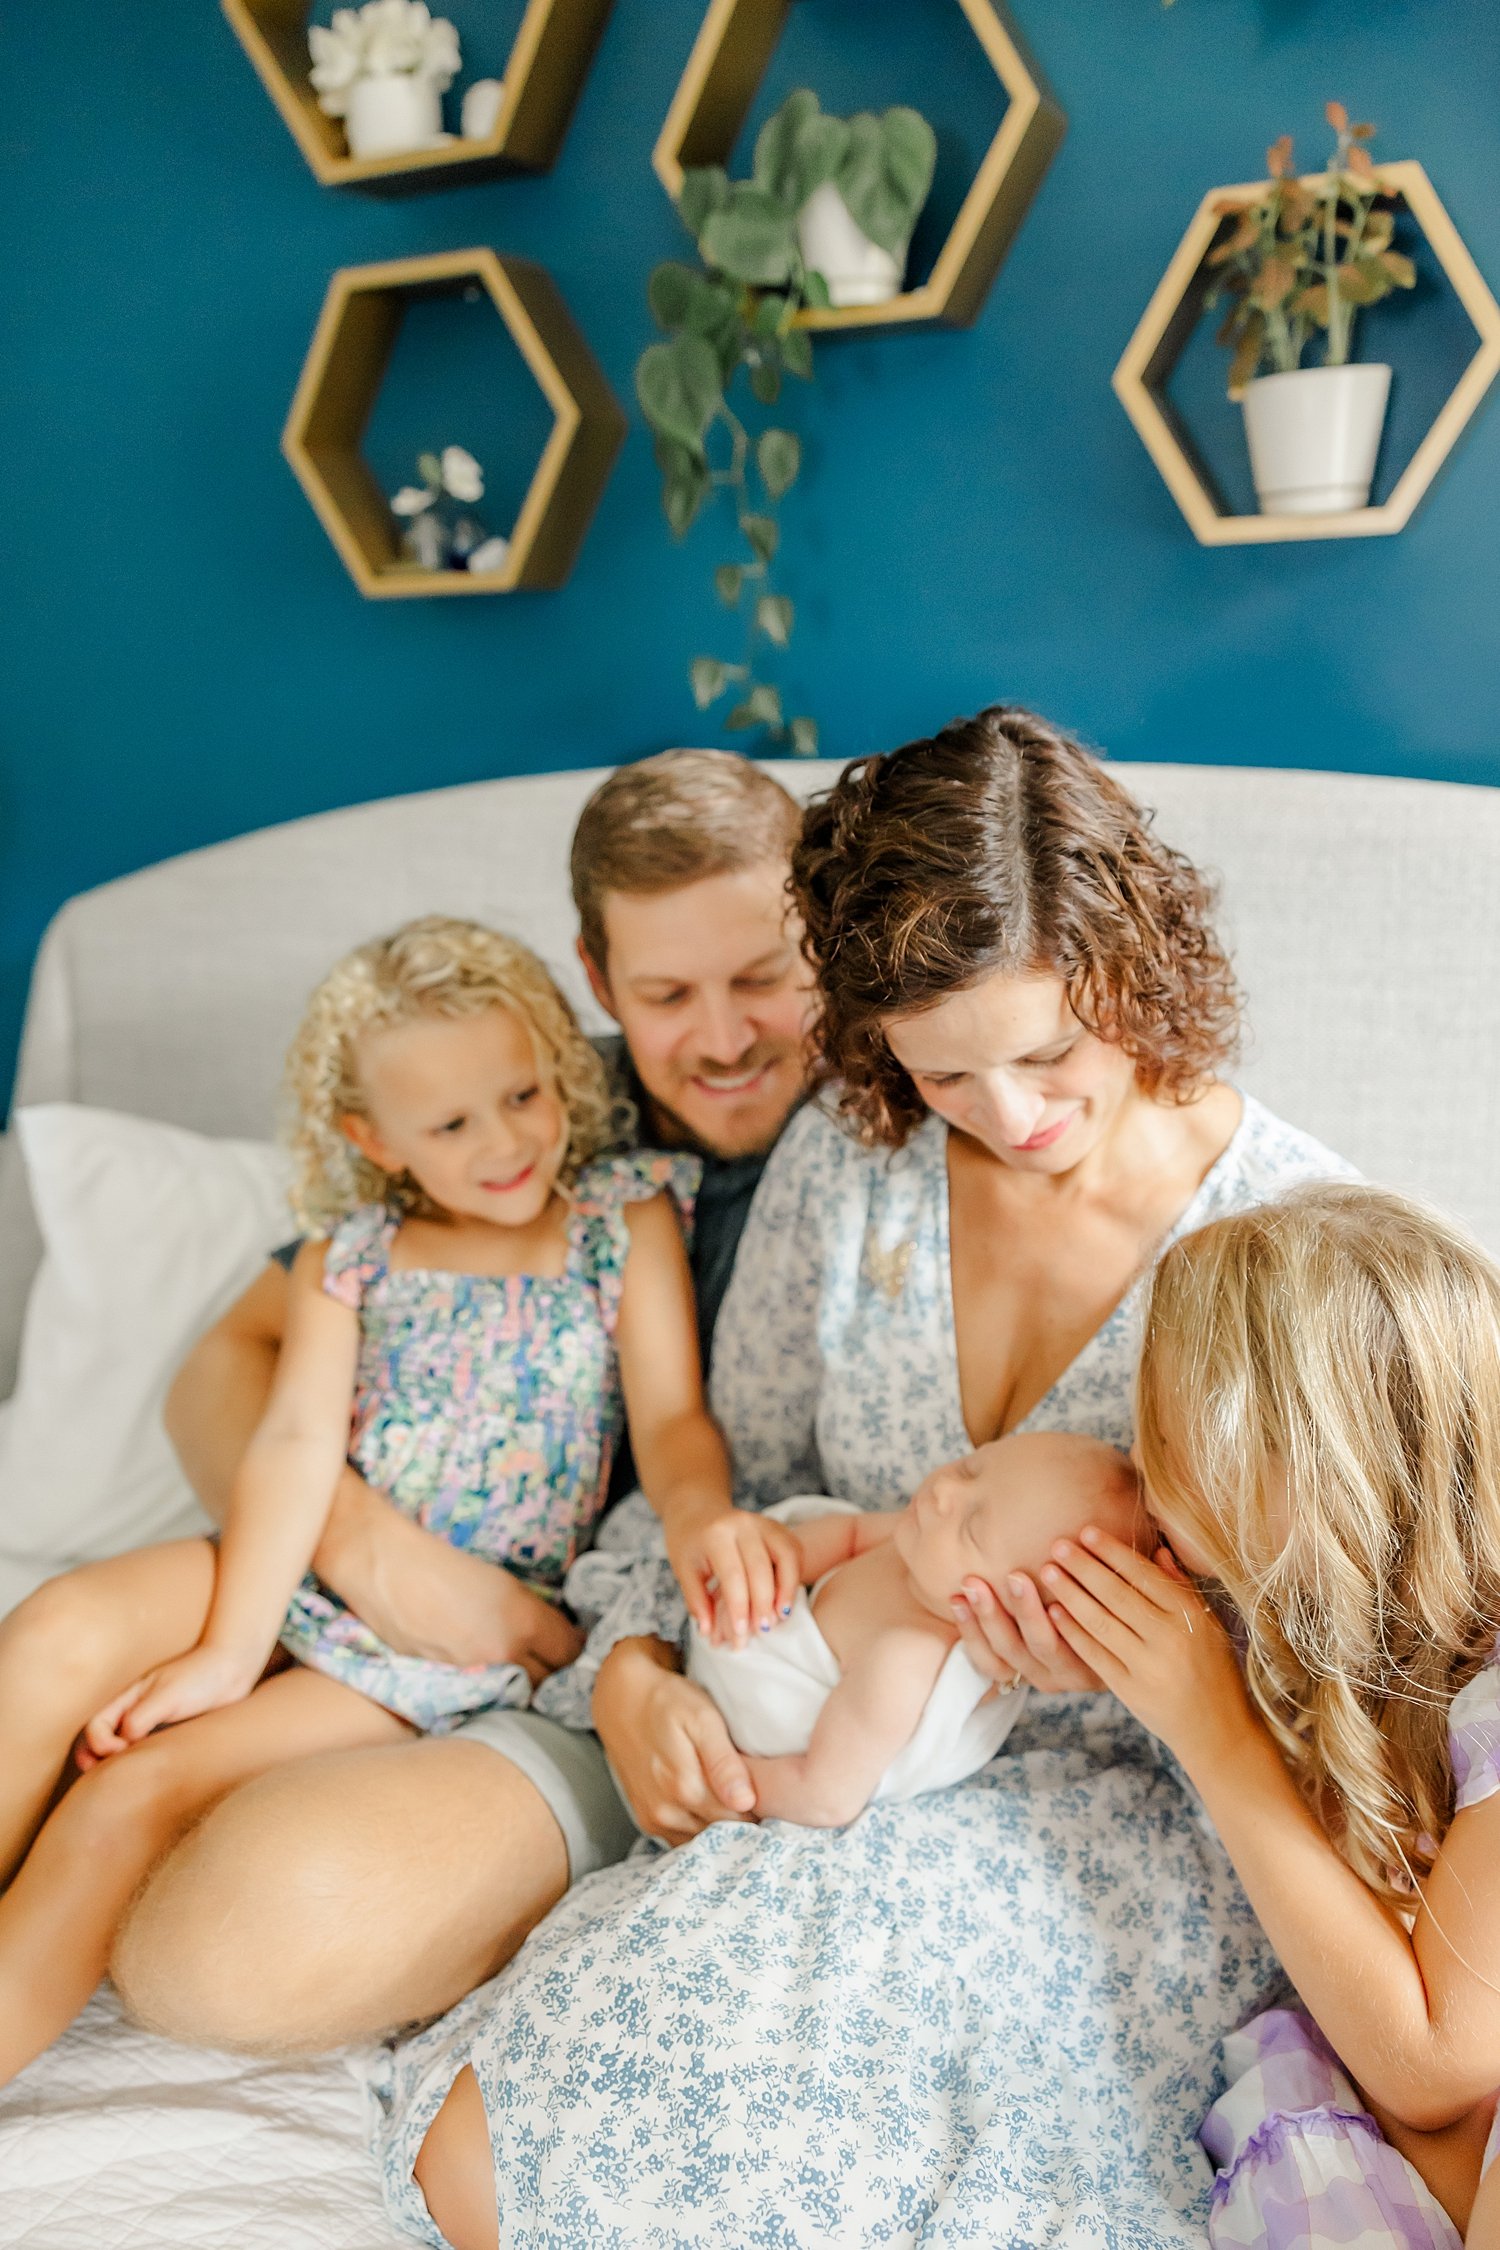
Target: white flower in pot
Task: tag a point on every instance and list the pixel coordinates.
(1303, 258)
(434, 534)
(384, 69)
(857, 184)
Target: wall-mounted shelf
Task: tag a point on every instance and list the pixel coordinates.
(543, 78)
(735, 44)
(346, 365)
(1146, 366)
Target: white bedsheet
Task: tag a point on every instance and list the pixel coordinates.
(117, 2141)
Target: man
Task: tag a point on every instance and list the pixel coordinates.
(341, 1895)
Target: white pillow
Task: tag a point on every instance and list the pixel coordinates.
(149, 1234)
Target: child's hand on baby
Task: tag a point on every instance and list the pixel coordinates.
(738, 1571)
(204, 1680)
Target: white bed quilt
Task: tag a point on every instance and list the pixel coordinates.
(114, 2140)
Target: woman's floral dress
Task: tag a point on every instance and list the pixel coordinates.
(488, 1409)
(989, 2015)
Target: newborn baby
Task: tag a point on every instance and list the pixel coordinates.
(865, 1691)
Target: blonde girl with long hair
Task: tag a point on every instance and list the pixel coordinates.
(1318, 1413)
(482, 1292)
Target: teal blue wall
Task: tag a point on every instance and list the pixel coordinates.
(187, 660)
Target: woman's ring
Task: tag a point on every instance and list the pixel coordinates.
(1008, 1687)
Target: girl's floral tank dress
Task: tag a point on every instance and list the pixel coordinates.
(488, 1409)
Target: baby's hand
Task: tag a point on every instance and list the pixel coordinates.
(204, 1680)
(734, 1569)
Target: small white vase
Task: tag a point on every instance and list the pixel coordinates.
(391, 111)
(480, 112)
(857, 270)
(1313, 436)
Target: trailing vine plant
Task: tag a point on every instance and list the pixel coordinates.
(1306, 256)
(736, 314)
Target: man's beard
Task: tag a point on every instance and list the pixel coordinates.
(768, 1054)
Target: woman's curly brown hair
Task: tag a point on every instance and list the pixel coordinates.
(1002, 845)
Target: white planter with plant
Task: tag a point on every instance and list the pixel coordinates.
(1301, 260)
(384, 69)
(737, 312)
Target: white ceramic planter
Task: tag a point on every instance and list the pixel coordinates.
(857, 270)
(1313, 436)
(391, 111)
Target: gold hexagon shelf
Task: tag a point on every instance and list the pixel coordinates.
(1146, 366)
(735, 43)
(346, 364)
(544, 76)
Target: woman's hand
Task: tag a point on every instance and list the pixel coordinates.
(1014, 1640)
(204, 1680)
(668, 1744)
(1152, 1640)
(424, 1598)
(737, 1570)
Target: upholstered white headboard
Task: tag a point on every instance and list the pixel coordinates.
(1364, 916)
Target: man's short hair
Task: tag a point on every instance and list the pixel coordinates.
(672, 820)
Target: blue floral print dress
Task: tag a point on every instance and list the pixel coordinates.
(990, 2015)
(488, 1409)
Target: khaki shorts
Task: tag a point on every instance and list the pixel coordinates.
(572, 1773)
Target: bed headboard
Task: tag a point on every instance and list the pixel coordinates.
(1364, 915)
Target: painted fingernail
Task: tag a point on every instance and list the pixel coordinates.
(765, 1624)
(786, 1609)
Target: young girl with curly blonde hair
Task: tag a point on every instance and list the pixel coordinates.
(482, 1293)
(1319, 1433)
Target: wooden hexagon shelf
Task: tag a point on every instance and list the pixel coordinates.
(734, 45)
(544, 75)
(1146, 367)
(361, 316)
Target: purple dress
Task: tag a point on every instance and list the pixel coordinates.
(1302, 2163)
(487, 1408)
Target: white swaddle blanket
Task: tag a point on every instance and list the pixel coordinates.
(771, 1692)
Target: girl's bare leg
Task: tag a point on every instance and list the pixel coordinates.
(455, 2171)
(72, 1645)
(59, 1917)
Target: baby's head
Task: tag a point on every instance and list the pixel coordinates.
(441, 1069)
(1001, 1508)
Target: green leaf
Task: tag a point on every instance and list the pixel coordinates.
(430, 470)
(798, 149)
(710, 678)
(751, 238)
(761, 708)
(797, 353)
(765, 381)
(679, 387)
(729, 578)
(815, 291)
(778, 456)
(705, 189)
(774, 615)
(763, 535)
(770, 312)
(886, 174)
(775, 167)
(685, 482)
(669, 292)
(804, 738)
(1400, 268)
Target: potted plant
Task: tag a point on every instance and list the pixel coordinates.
(736, 313)
(1299, 262)
(384, 69)
(436, 534)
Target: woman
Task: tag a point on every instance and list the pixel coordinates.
(989, 2014)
